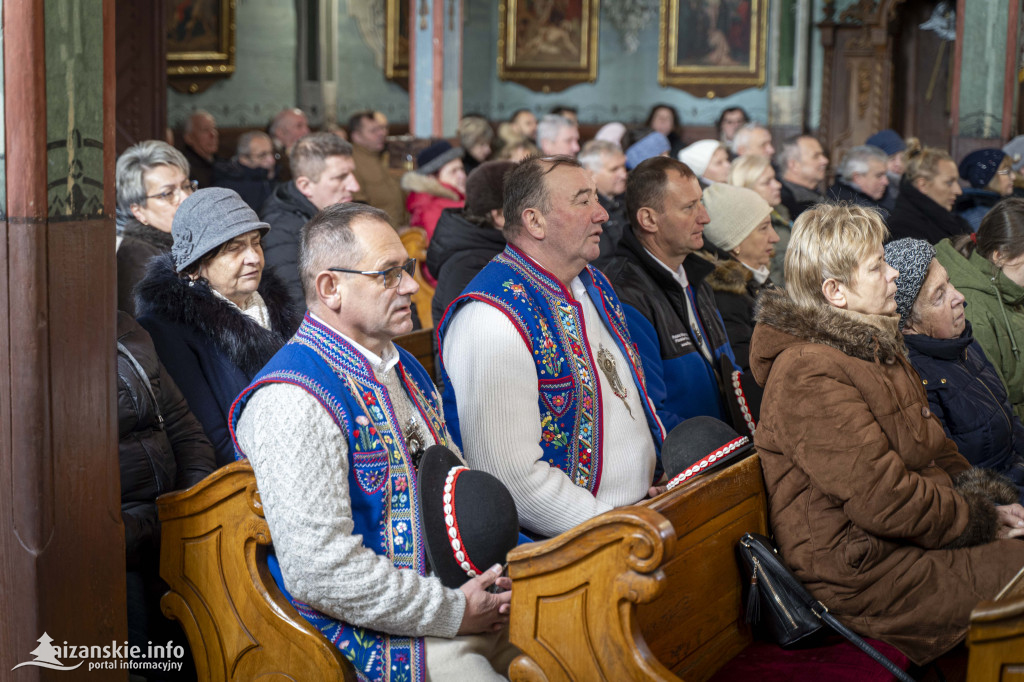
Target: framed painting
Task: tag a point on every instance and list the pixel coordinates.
(396, 42)
(712, 48)
(200, 42)
(548, 45)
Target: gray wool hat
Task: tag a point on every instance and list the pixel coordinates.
(911, 257)
(207, 219)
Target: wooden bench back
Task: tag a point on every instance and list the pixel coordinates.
(414, 239)
(240, 626)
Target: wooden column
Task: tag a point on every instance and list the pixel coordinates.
(435, 67)
(61, 539)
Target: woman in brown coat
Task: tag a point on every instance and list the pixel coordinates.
(871, 505)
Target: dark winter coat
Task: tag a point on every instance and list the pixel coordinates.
(210, 347)
(200, 169)
(612, 229)
(974, 204)
(842, 191)
(286, 211)
(860, 479)
(138, 244)
(162, 446)
(916, 215)
(966, 394)
(797, 198)
(736, 291)
(252, 184)
(458, 251)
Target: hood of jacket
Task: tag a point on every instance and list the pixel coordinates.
(193, 304)
(429, 184)
(286, 198)
(454, 234)
(977, 273)
(782, 324)
(730, 275)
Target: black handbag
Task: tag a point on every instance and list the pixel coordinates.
(781, 609)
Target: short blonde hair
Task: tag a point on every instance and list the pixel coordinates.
(747, 169)
(830, 241)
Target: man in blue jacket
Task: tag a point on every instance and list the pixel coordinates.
(670, 309)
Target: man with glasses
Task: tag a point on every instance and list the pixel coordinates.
(251, 171)
(323, 175)
(333, 426)
(378, 186)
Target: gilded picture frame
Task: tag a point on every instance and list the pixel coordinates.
(548, 45)
(712, 48)
(396, 41)
(200, 42)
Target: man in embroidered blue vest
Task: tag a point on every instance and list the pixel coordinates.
(670, 308)
(542, 383)
(332, 426)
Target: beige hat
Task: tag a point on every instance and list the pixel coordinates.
(734, 213)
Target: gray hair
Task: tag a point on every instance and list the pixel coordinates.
(790, 151)
(135, 162)
(309, 156)
(190, 122)
(742, 136)
(279, 119)
(245, 141)
(327, 241)
(857, 160)
(590, 157)
(549, 126)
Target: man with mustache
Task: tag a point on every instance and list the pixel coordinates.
(334, 426)
(542, 383)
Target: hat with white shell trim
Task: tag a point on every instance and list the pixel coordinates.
(700, 444)
(469, 517)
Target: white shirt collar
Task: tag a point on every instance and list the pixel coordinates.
(760, 274)
(679, 274)
(379, 364)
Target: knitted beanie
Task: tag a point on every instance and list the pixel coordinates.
(434, 157)
(912, 258)
(651, 145)
(734, 213)
(980, 166)
(207, 219)
(698, 155)
(888, 140)
(485, 187)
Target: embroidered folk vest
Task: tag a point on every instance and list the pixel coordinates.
(381, 476)
(550, 322)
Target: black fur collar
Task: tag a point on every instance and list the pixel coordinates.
(145, 233)
(861, 336)
(162, 293)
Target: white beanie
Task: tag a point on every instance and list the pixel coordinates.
(734, 212)
(698, 155)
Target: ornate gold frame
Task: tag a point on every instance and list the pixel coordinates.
(551, 75)
(193, 71)
(711, 80)
(396, 27)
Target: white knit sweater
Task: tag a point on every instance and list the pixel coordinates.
(300, 459)
(495, 379)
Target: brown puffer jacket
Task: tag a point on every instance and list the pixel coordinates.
(860, 480)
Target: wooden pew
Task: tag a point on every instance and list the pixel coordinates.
(414, 239)
(996, 637)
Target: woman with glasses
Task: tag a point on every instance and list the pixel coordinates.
(215, 313)
(990, 173)
(152, 180)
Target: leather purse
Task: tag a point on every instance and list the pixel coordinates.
(781, 609)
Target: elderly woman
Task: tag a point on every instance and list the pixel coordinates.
(439, 182)
(928, 191)
(868, 500)
(988, 268)
(152, 181)
(755, 172)
(709, 159)
(215, 314)
(964, 390)
(740, 226)
(990, 173)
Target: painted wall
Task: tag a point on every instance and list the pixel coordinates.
(361, 81)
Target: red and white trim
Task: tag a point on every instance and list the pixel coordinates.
(454, 538)
(709, 460)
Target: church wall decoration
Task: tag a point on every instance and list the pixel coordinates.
(712, 48)
(548, 45)
(200, 42)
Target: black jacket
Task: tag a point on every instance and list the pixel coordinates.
(458, 251)
(612, 229)
(736, 292)
(841, 191)
(917, 215)
(200, 169)
(139, 243)
(210, 347)
(286, 210)
(252, 184)
(161, 445)
(968, 397)
(797, 199)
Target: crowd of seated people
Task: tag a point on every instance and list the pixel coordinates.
(590, 296)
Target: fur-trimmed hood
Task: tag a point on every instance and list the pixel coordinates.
(429, 184)
(163, 293)
(730, 276)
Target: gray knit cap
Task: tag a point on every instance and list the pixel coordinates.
(207, 219)
(911, 257)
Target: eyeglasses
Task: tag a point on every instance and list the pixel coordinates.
(171, 195)
(1004, 171)
(392, 276)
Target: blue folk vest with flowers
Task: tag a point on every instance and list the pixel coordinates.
(550, 321)
(381, 476)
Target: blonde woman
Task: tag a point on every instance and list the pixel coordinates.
(754, 171)
(869, 501)
(928, 191)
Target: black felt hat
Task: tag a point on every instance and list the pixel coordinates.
(742, 397)
(469, 517)
(698, 445)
